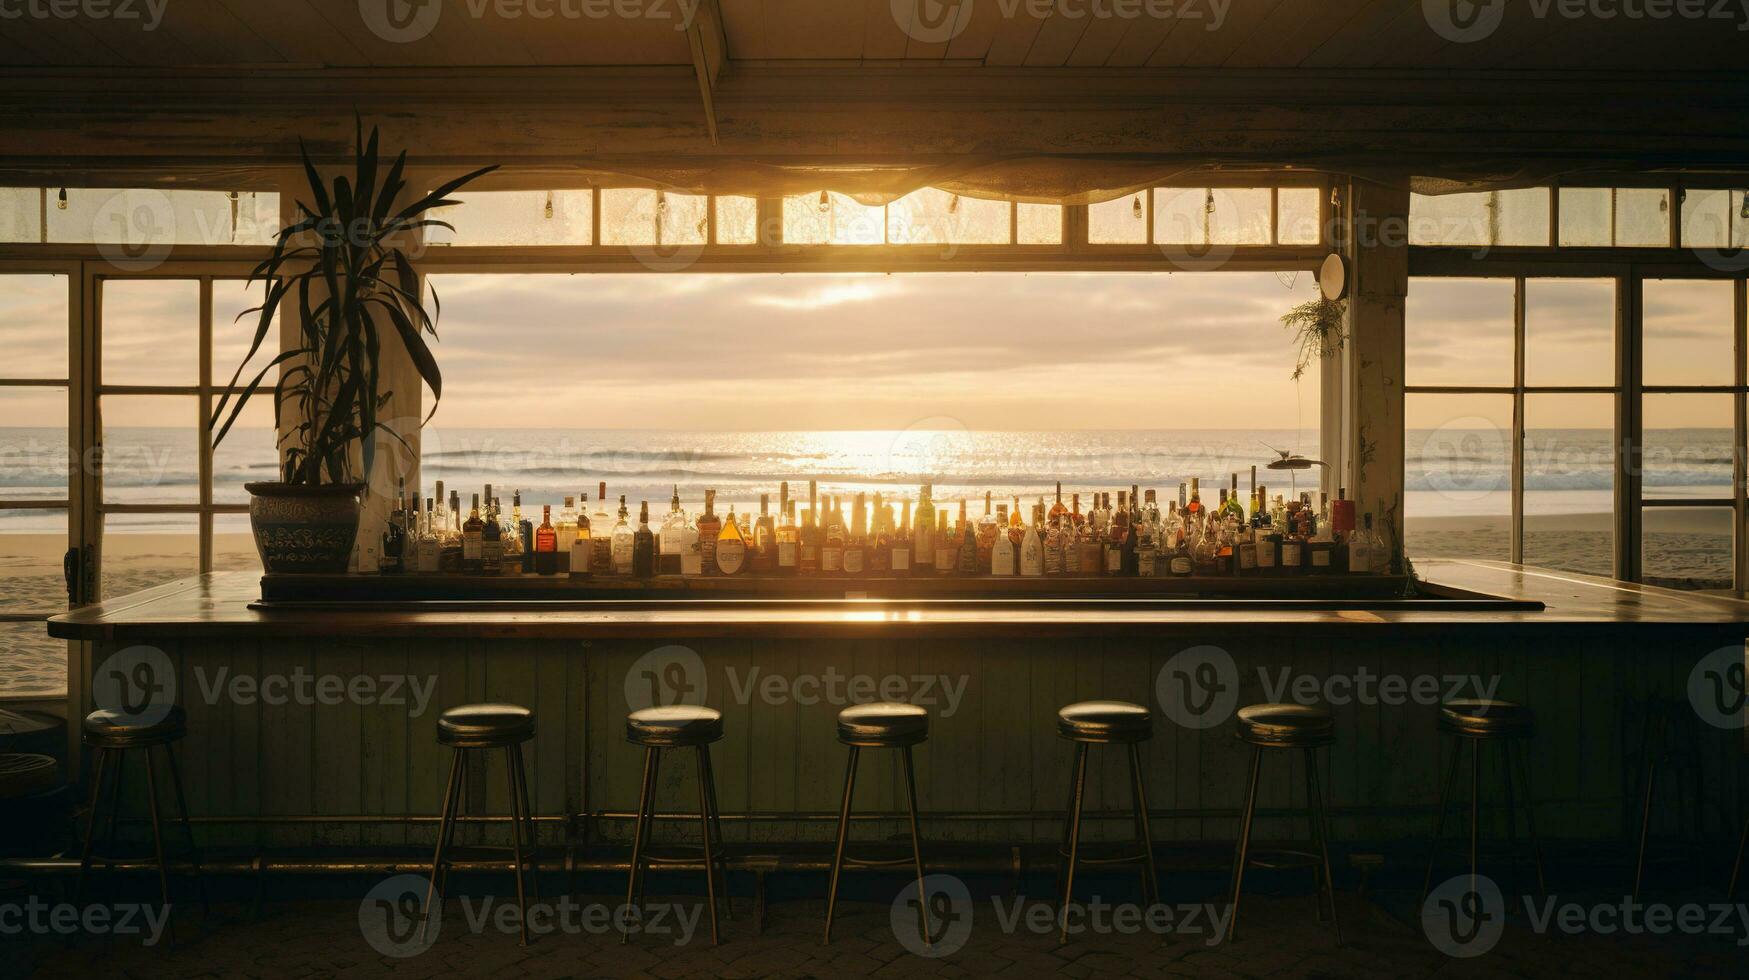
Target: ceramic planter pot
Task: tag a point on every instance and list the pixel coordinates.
(304, 529)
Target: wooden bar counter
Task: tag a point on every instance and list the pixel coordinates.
(271, 767)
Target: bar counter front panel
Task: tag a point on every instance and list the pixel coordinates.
(315, 769)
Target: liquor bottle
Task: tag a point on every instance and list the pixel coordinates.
(1059, 545)
(582, 543)
(524, 532)
(763, 558)
(901, 562)
(832, 548)
(566, 528)
(429, 544)
(788, 538)
(1032, 547)
(643, 544)
(1089, 543)
(450, 555)
(878, 557)
(1293, 550)
(1193, 507)
(394, 535)
(986, 533)
(856, 539)
(601, 523)
(620, 545)
(1057, 509)
(491, 541)
(691, 554)
(1147, 547)
(1117, 543)
(671, 541)
(710, 527)
(1234, 507)
(946, 546)
(1321, 548)
(442, 515)
(1180, 564)
(968, 535)
(472, 531)
(1360, 548)
(731, 552)
(546, 543)
(1002, 548)
(1246, 551)
(810, 540)
(923, 539)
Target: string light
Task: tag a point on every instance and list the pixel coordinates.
(953, 204)
(1136, 206)
(61, 200)
(661, 203)
(825, 202)
(549, 205)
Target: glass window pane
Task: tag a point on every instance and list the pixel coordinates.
(1688, 332)
(1450, 219)
(151, 332)
(1687, 446)
(832, 219)
(21, 214)
(31, 662)
(1586, 217)
(1038, 224)
(682, 219)
(1706, 218)
(1457, 499)
(516, 218)
(233, 331)
(144, 550)
(1181, 215)
(257, 218)
(33, 326)
(628, 216)
(935, 217)
(1569, 482)
(248, 452)
(1686, 547)
(1123, 221)
(1522, 216)
(150, 449)
(1296, 216)
(1459, 332)
(737, 221)
(34, 463)
(141, 216)
(1642, 216)
(1240, 216)
(234, 544)
(32, 543)
(1569, 332)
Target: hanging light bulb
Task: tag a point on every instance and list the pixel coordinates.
(1745, 211)
(61, 200)
(1136, 207)
(953, 204)
(825, 202)
(549, 205)
(661, 203)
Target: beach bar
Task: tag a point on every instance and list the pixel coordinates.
(714, 488)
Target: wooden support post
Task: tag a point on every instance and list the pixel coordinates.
(1375, 242)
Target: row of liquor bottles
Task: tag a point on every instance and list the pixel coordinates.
(1133, 537)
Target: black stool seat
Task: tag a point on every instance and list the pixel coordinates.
(887, 724)
(111, 729)
(1104, 721)
(485, 726)
(1286, 725)
(674, 725)
(1480, 718)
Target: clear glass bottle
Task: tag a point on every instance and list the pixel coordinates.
(788, 539)
(709, 527)
(731, 550)
(1002, 548)
(582, 543)
(643, 544)
(620, 544)
(902, 542)
(763, 558)
(671, 541)
(1032, 547)
(601, 524)
(566, 528)
(968, 535)
(832, 545)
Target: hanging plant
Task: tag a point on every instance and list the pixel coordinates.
(1317, 327)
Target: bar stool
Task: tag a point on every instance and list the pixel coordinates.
(485, 726)
(1477, 721)
(1668, 741)
(1090, 723)
(883, 725)
(111, 732)
(676, 726)
(1287, 726)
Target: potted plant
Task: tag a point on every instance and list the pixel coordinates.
(344, 265)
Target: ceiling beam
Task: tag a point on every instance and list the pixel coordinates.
(709, 51)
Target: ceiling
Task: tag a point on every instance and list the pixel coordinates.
(1321, 34)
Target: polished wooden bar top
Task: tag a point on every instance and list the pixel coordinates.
(219, 605)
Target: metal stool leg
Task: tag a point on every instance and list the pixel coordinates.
(1068, 823)
(710, 857)
(1654, 734)
(516, 837)
(1445, 795)
(638, 840)
(1074, 841)
(710, 784)
(1511, 814)
(1737, 868)
(917, 848)
(843, 832)
(1151, 893)
(91, 825)
(451, 797)
(1244, 846)
(115, 794)
(158, 834)
(1475, 807)
(187, 829)
(1515, 760)
(1321, 820)
(528, 820)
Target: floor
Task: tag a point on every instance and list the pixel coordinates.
(982, 936)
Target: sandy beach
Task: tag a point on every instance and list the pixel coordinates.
(1684, 551)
